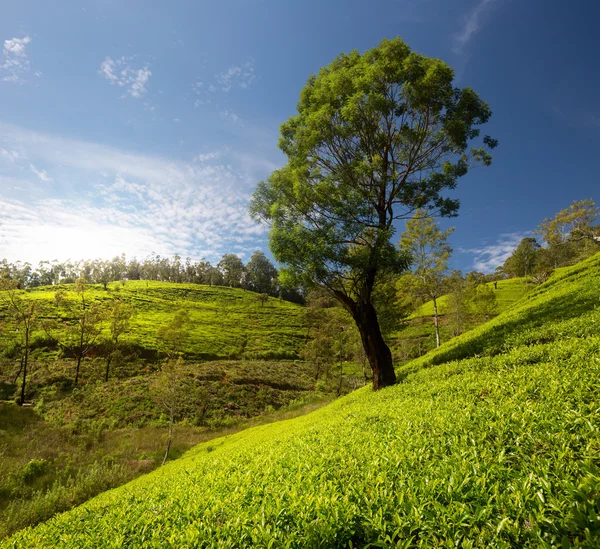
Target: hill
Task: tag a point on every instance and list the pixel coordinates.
(75, 441)
(416, 336)
(225, 322)
(490, 441)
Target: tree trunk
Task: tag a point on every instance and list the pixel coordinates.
(108, 360)
(170, 438)
(377, 351)
(22, 400)
(78, 366)
(437, 323)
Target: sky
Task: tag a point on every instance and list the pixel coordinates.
(143, 127)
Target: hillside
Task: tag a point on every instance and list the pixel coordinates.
(495, 446)
(416, 336)
(225, 322)
(76, 441)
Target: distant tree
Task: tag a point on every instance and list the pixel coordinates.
(428, 246)
(174, 335)
(167, 391)
(334, 339)
(523, 259)
(483, 302)
(263, 298)
(570, 233)
(261, 273)
(118, 317)
(101, 272)
(82, 320)
(459, 290)
(23, 315)
(232, 268)
(544, 265)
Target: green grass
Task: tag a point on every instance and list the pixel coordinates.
(498, 445)
(417, 334)
(226, 323)
(507, 294)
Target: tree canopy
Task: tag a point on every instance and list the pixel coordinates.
(377, 136)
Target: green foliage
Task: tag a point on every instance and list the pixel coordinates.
(569, 234)
(377, 135)
(497, 446)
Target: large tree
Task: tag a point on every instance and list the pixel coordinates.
(377, 136)
(233, 270)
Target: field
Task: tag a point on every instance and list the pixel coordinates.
(492, 440)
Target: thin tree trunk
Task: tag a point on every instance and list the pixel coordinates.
(377, 351)
(78, 366)
(107, 367)
(170, 438)
(25, 367)
(20, 369)
(339, 391)
(437, 323)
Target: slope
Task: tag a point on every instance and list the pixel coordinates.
(496, 446)
(225, 322)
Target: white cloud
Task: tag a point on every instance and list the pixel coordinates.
(117, 201)
(487, 258)
(207, 157)
(11, 156)
(472, 25)
(15, 61)
(230, 116)
(42, 174)
(16, 46)
(238, 76)
(120, 72)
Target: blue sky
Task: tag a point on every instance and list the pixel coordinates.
(143, 126)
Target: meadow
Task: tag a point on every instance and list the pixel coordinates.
(492, 440)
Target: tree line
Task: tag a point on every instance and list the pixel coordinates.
(258, 275)
(568, 237)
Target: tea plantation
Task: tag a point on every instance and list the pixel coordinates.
(493, 440)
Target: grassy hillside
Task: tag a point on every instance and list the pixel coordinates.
(498, 445)
(417, 334)
(225, 322)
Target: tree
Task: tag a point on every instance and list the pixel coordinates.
(261, 273)
(483, 302)
(459, 292)
(569, 234)
(167, 393)
(24, 315)
(523, 259)
(377, 136)
(173, 336)
(428, 246)
(118, 315)
(82, 324)
(233, 270)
